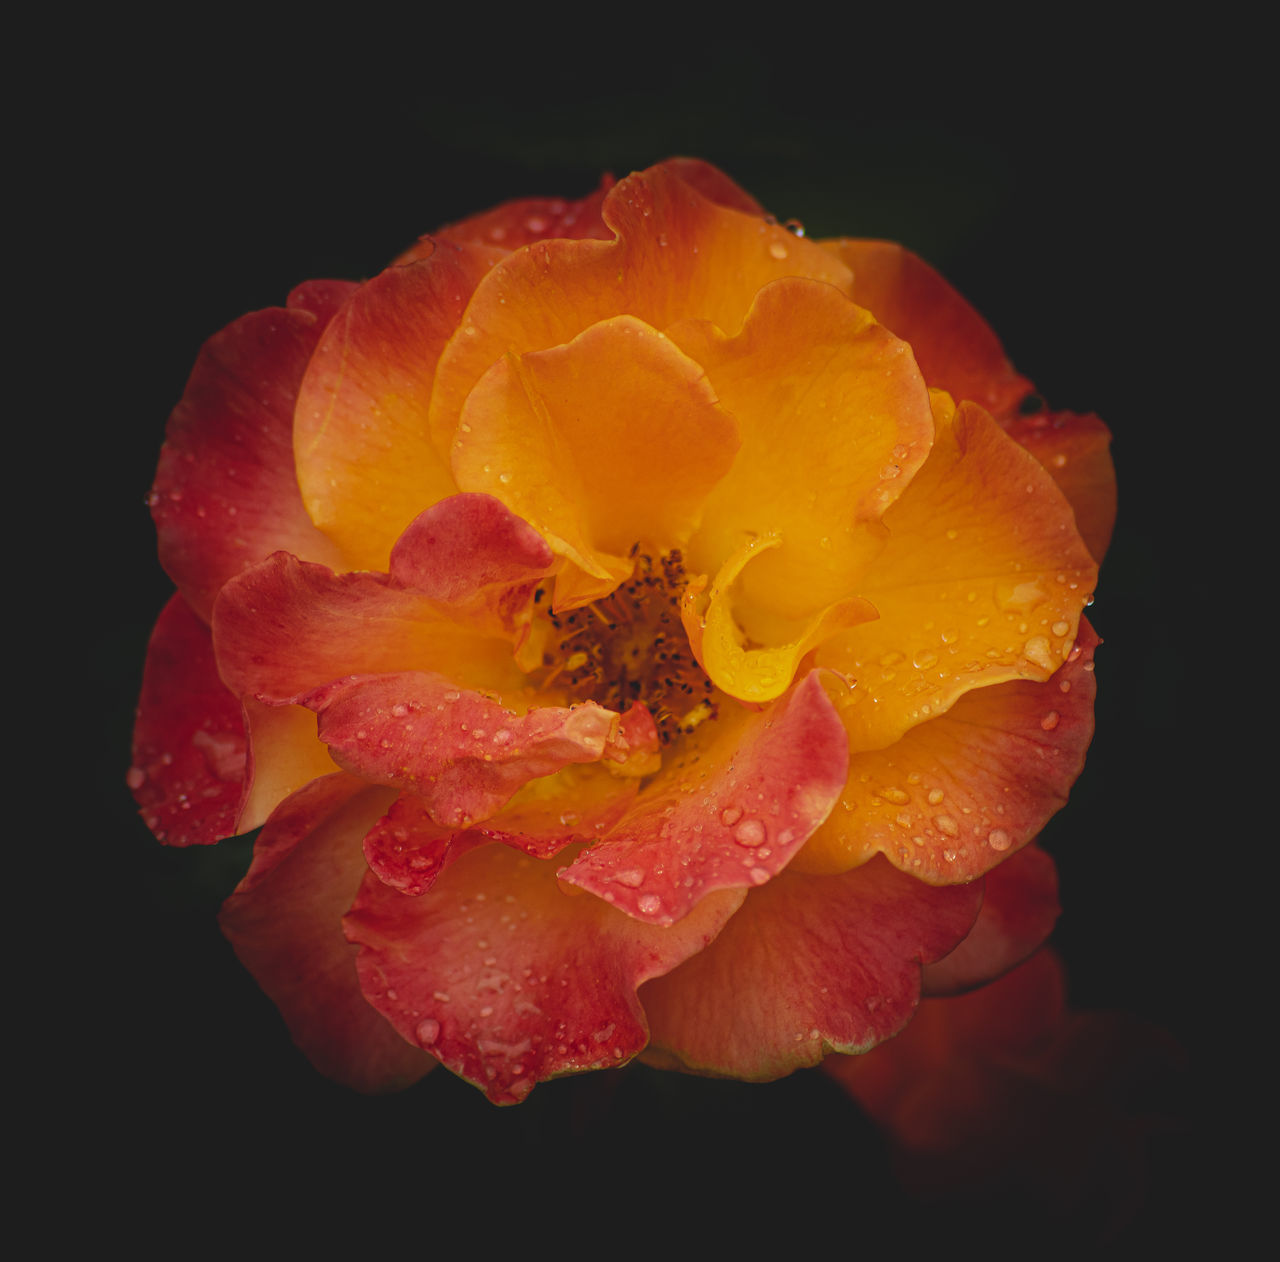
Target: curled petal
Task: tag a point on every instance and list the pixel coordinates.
(755, 672)
(961, 793)
(462, 753)
(677, 255)
(1019, 909)
(730, 817)
(953, 344)
(507, 979)
(835, 421)
(365, 463)
(1076, 450)
(981, 580)
(610, 441)
(284, 921)
(808, 965)
(188, 742)
(225, 494)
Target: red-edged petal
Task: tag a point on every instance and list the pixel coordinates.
(507, 979)
(285, 922)
(365, 463)
(729, 818)
(961, 793)
(808, 965)
(463, 753)
(1019, 909)
(225, 494)
(188, 742)
(287, 627)
(1076, 450)
(529, 219)
(953, 344)
(406, 849)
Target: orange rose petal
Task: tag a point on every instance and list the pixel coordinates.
(188, 766)
(284, 921)
(609, 441)
(286, 627)
(677, 256)
(463, 753)
(284, 755)
(758, 673)
(1076, 450)
(225, 495)
(1019, 909)
(835, 421)
(982, 580)
(364, 460)
(808, 965)
(730, 818)
(407, 849)
(959, 794)
(953, 344)
(508, 980)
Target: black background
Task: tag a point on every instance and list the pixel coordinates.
(1056, 182)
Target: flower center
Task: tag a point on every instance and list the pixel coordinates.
(631, 646)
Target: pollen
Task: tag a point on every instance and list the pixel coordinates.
(631, 646)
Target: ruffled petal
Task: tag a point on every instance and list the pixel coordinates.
(982, 580)
(953, 344)
(284, 921)
(730, 818)
(677, 256)
(1076, 450)
(225, 494)
(287, 627)
(809, 965)
(507, 979)
(365, 463)
(835, 421)
(188, 741)
(1019, 909)
(610, 441)
(463, 753)
(961, 793)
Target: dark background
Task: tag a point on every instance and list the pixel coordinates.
(1055, 182)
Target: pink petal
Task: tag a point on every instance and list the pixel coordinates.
(286, 627)
(188, 743)
(462, 753)
(225, 494)
(406, 849)
(807, 966)
(507, 979)
(1019, 908)
(475, 555)
(729, 820)
(285, 922)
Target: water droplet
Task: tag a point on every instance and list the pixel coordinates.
(898, 796)
(935, 796)
(945, 824)
(1050, 721)
(758, 876)
(632, 877)
(730, 816)
(648, 903)
(750, 832)
(135, 777)
(998, 839)
(778, 250)
(1060, 627)
(924, 659)
(428, 1030)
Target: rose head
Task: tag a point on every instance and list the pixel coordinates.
(636, 629)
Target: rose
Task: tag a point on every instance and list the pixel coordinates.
(624, 641)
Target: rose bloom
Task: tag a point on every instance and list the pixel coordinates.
(636, 629)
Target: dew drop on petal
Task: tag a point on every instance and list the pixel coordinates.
(648, 903)
(998, 839)
(750, 832)
(428, 1031)
(1050, 721)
